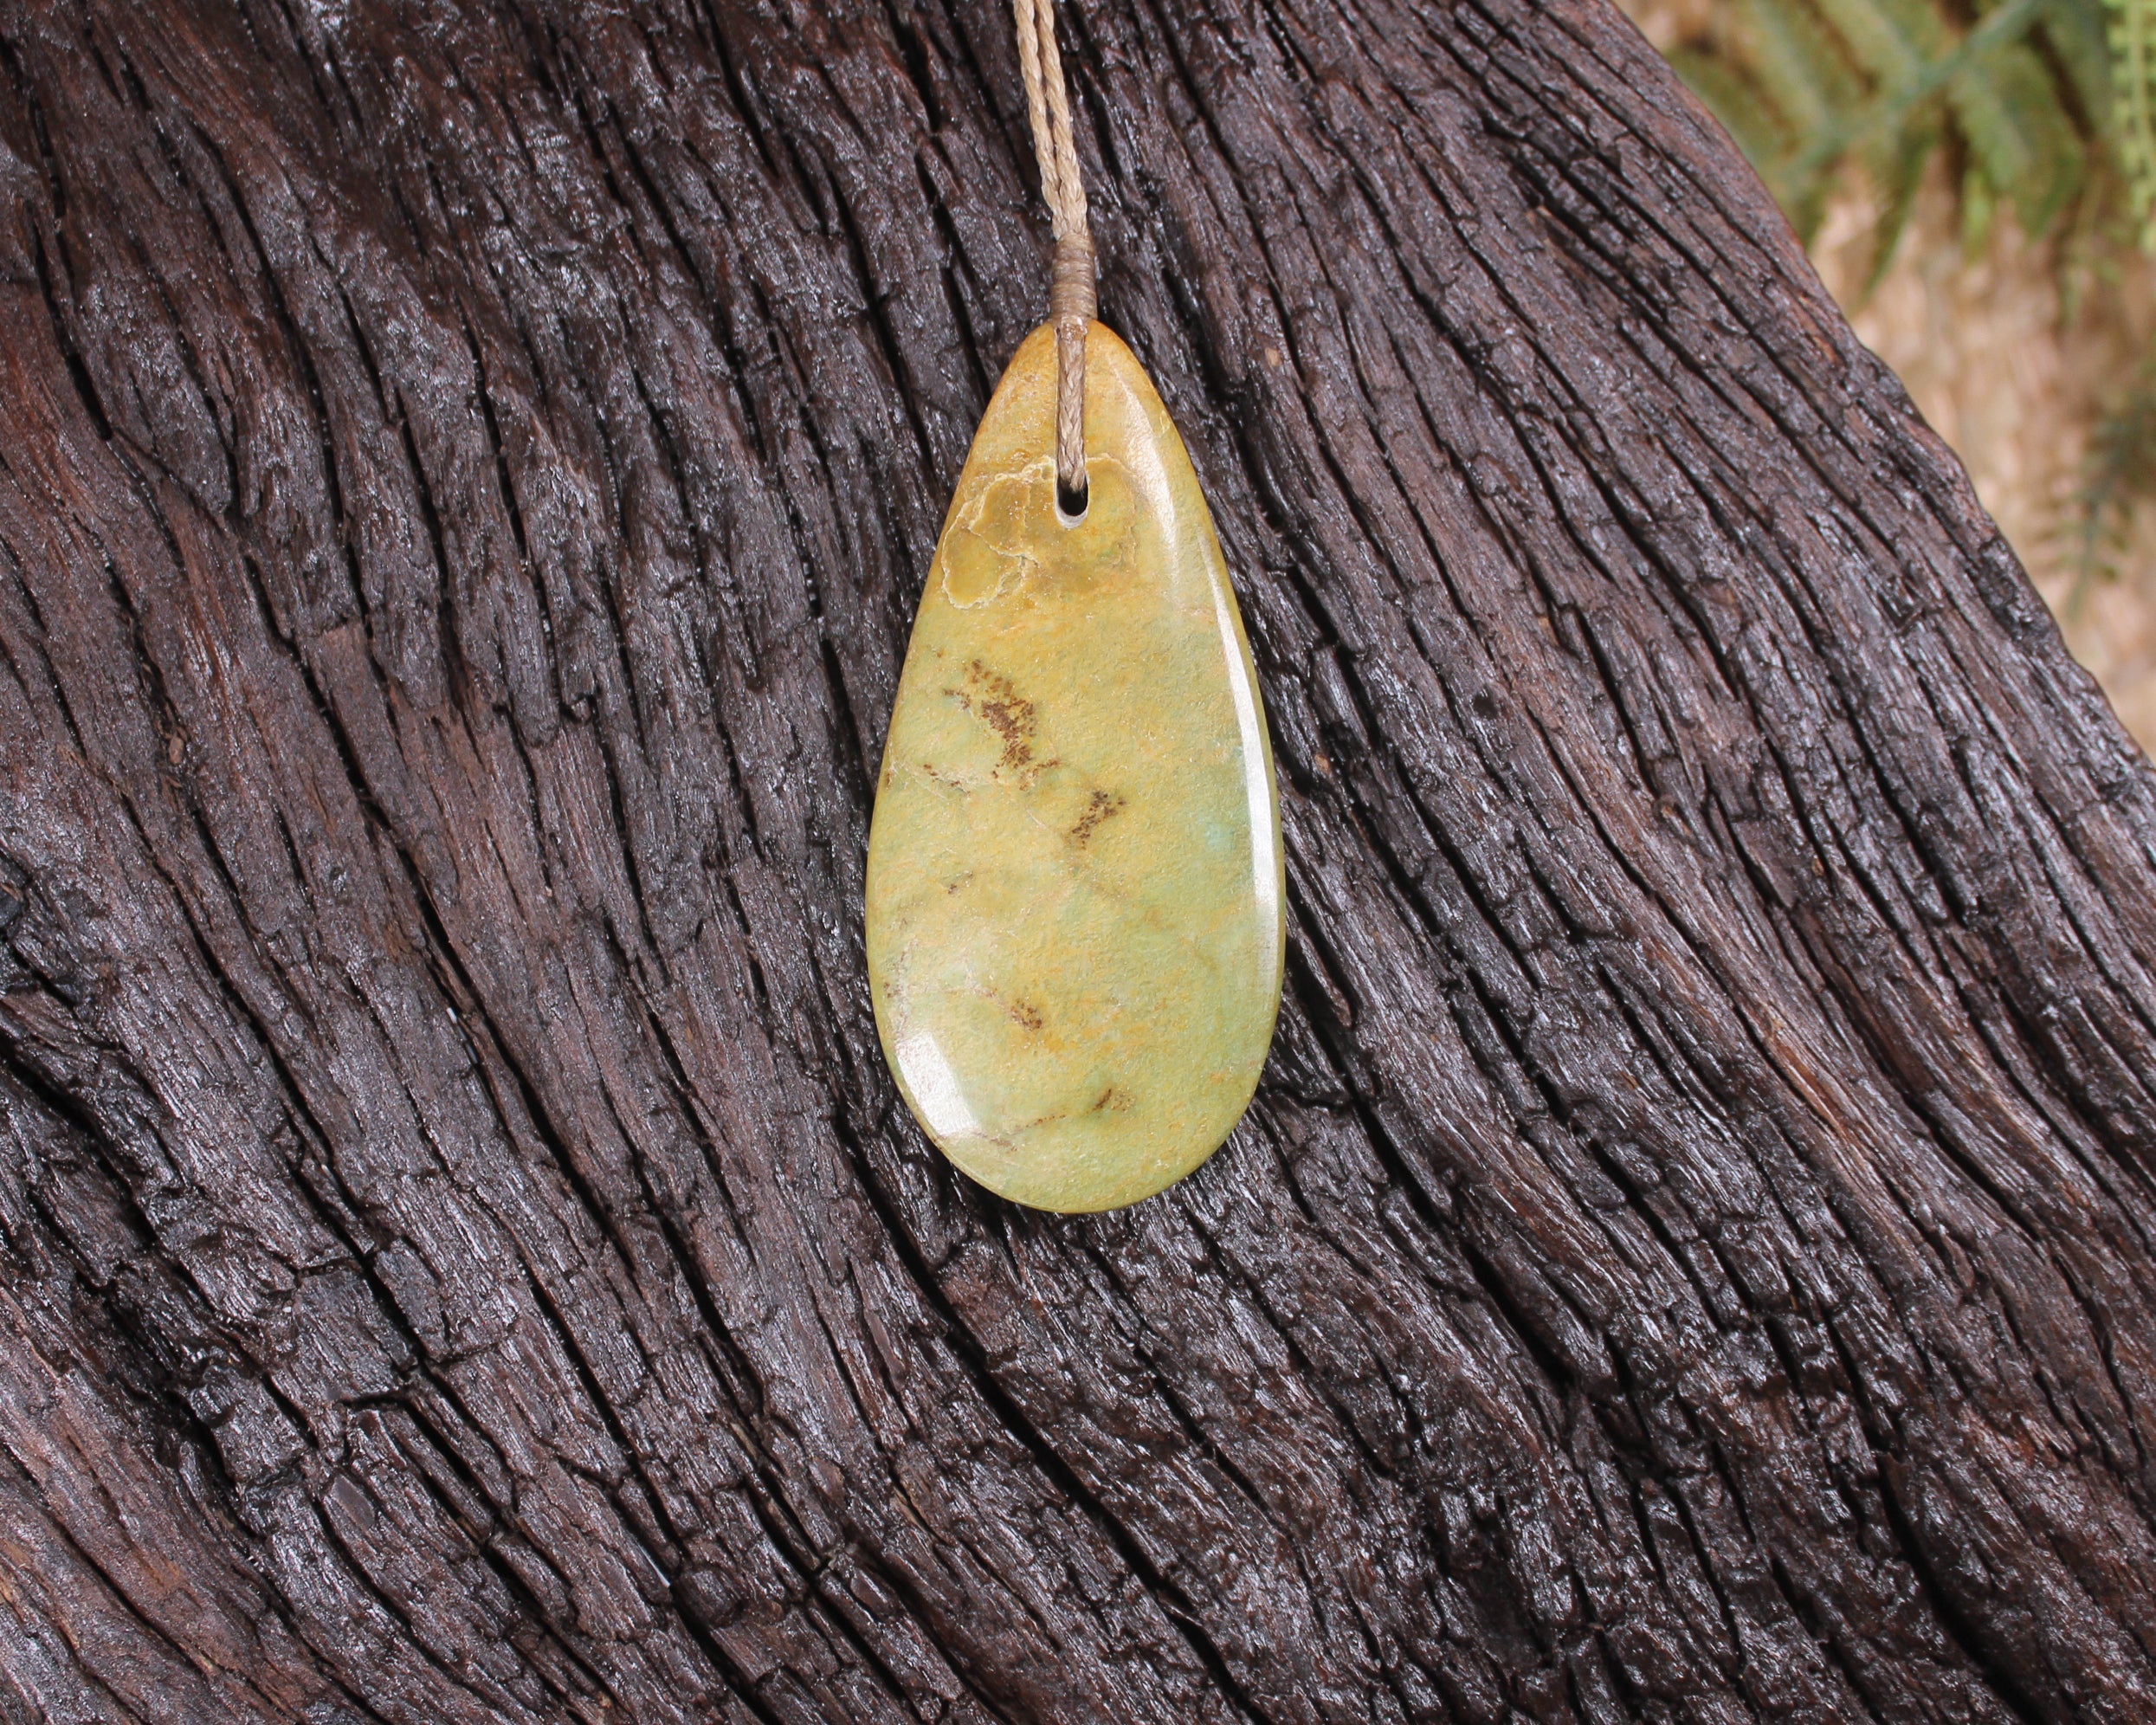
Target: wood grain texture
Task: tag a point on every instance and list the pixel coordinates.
(465, 476)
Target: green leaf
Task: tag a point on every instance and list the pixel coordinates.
(2020, 99)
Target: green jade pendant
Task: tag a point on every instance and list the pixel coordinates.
(1075, 916)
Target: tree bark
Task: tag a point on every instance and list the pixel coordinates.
(467, 474)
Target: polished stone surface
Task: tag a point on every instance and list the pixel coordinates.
(1075, 893)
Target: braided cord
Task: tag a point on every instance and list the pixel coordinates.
(1070, 295)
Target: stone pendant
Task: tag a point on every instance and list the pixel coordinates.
(1075, 886)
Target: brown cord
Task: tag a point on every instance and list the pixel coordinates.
(1070, 301)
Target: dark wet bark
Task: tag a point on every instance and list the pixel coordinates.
(464, 478)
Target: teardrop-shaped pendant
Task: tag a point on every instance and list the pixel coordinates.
(1075, 916)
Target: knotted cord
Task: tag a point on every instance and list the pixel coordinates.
(1070, 301)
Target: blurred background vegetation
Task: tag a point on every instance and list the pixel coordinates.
(1976, 180)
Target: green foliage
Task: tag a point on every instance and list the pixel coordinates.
(2040, 107)
(2133, 35)
(2017, 97)
(2046, 107)
(2120, 471)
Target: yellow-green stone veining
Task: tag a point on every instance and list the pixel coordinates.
(1074, 915)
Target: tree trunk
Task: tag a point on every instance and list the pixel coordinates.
(467, 476)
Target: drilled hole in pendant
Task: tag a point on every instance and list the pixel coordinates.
(1070, 505)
